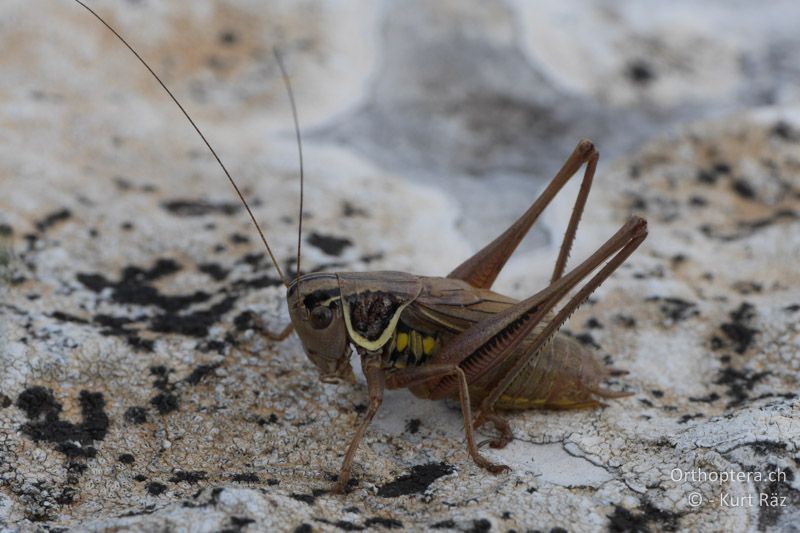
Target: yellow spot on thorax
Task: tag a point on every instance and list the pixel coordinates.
(428, 345)
(402, 342)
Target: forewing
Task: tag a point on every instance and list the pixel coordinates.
(450, 306)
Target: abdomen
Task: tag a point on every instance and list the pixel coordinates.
(563, 375)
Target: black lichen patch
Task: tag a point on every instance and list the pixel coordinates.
(198, 208)
(245, 477)
(388, 523)
(687, 417)
(216, 345)
(675, 309)
(625, 321)
(213, 498)
(444, 524)
(119, 326)
(706, 176)
(238, 238)
(344, 525)
(677, 260)
(698, 201)
(126, 458)
(721, 167)
(194, 324)
(52, 219)
(481, 525)
(161, 381)
(134, 287)
(136, 415)
(767, 447)
(165, 402)
(228, 38)
(640, 72)
(74, 468)
(261, 282)
(67, 496)
(623, 520)
(746, 228)
(38, 401)
(190, 477)
(369, 258)
(255, 260)
(587, 340)
(73, 440)
(200, 372)
(245, 320)
(303, 528)
(417, 481)
(710, 398)
(5, 401)
(272, 419)
(776, 495)
(66, 317)
(412, 426)
(214, 270)
(738, 330)
(238, 523)
(305, 498)
(352, 210)
(155, 488)
(743, 188)
(784, 131)
(593, 323)
(329, 244)
(747, 287)
(739, 383)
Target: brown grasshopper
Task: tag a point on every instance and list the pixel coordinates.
(453, 337)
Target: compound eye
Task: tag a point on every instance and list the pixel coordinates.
(321, 317)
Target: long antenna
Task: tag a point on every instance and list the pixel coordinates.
(200, 133)
(288, 85)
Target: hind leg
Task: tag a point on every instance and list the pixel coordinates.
(632, 235)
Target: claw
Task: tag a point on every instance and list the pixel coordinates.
(498, 468)
(339, 487)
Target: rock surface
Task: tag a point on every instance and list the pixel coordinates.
(135, 390)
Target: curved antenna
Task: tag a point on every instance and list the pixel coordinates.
(200, 133)
(288, 85)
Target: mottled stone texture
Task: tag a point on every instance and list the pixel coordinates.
(135, 390)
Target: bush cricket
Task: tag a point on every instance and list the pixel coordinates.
(453, 337)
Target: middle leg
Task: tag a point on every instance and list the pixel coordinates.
(410, 377)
